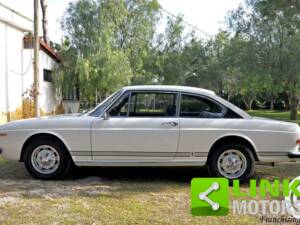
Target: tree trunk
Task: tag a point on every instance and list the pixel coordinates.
(272, 102)
(45, 20)
(228, 96)
(287, 102)
(294, 107)
(248, 102)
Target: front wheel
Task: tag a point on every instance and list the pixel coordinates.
(47, 158)
(232, 161)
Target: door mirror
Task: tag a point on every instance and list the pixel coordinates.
(105, 116)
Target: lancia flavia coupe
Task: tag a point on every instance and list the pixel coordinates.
(152, 126)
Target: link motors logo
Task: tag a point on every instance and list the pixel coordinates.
(292, 201)
(210, 197)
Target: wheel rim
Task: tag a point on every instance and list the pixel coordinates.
(45, 159)
(232, 163)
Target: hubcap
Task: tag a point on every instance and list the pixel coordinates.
(232, 163)
(45, 159)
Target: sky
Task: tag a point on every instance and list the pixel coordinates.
(207, 15)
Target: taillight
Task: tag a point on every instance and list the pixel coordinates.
(298, 142)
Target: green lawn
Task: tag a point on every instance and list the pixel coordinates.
(279, 115)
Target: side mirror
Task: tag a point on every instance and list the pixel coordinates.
(105, 116)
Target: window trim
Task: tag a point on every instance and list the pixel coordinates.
(114, 103)
(177, 94)
(223, 108)
(94, 112)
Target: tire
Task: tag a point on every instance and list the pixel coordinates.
(47, 158)
(241, 157)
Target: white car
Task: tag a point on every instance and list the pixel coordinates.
(152, 126)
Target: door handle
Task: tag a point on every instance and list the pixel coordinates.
(173, 124)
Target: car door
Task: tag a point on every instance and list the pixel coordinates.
(138, 126)
(201, 122)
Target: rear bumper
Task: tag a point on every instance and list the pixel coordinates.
(294, 155)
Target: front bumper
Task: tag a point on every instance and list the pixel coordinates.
(294, 155)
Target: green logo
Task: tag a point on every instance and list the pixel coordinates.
(209, 197)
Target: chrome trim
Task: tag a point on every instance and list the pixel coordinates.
(133, 163)
(124, 92)
(139, 154)
(294, 155)
(272, 153)
(81, 153)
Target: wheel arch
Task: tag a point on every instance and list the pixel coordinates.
(234, 138)
(40, 135)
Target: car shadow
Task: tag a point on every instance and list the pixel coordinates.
(140, 174)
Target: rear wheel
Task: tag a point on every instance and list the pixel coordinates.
(47, 158)
(232, 161)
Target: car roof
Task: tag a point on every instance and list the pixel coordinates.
(169, 88)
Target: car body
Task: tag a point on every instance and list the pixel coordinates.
(151, 126)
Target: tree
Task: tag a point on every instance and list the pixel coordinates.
(45, 20)
(165, 59)
(109, 41)
(274, 27)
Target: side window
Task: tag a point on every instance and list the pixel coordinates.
(152, 104)
(120, 108)
(195, 106)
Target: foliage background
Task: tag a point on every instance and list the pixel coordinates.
(254, 63)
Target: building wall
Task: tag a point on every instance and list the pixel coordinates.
(16, 72)
(2, 73)
(49, 102)
(12, 77)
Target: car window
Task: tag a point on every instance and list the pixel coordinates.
(97, 111)
(120, 108)
(153, 105)
(195, 106)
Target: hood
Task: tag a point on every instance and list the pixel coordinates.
(41, 122)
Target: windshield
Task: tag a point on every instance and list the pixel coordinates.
(99, 108)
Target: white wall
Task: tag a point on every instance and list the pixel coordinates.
(7, 15)
(11, 68)
(2, 72)
(16, 67)
(12, 80)
(47, 99)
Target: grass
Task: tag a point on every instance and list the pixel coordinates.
(279, 115)
(112, 196)
(106, 196)
(116, 195)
